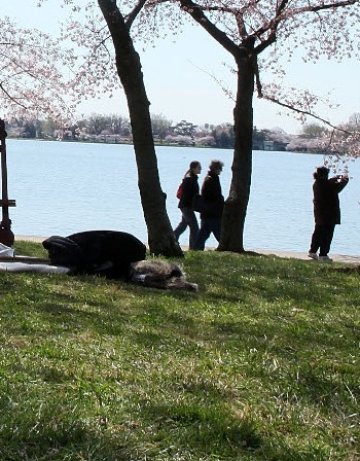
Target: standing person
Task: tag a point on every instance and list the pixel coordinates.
(213, 204)
(190, 188)
(326, 211)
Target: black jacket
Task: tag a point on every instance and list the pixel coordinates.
(212, 196)
(326, 200)
(190, 189)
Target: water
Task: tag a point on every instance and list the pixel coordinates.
(62, 188)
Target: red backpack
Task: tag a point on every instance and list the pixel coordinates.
(180, 191)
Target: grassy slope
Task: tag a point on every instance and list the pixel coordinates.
(261, 364)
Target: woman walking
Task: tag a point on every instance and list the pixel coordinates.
(190, 188)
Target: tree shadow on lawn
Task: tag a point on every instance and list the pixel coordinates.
(269, 279)
(55, 433)
(211, 431)
(155, 316)
(158, 317)
(328, 391)
(199, 426)
(62, 316)
(203, 429)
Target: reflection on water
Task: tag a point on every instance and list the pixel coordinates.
(61, 188)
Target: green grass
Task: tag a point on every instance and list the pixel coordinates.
(261, 364)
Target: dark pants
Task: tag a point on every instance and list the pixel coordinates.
(322, 238)
(188, 219)
(208, 225)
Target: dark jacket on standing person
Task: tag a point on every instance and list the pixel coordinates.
(190, 189)
(326, 199)
(212, 196)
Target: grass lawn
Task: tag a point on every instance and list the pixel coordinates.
(262, 364)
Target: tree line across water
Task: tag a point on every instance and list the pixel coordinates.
(114, 128)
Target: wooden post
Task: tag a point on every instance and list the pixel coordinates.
(6, 235)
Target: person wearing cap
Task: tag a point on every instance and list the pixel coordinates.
(326, 211)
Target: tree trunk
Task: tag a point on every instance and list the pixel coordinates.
(233, 220)
(161, 239)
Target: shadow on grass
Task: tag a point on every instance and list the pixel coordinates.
(50, 437)
(156, 317)
(211, 432)
(163, 329)
(206, 429)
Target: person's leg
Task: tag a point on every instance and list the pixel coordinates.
(181, 226)
(215, 224)
(327, 236)
(203, 234)
(316, 239)
(192, 222)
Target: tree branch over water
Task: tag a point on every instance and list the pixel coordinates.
(303, 112)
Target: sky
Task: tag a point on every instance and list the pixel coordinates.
(179, 77)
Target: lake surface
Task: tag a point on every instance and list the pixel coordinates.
(61, 188)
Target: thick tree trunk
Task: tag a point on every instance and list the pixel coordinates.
(233, 220)
(160, 235)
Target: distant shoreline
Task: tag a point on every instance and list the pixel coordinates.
(157, 144)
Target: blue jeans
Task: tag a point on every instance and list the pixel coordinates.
(208, 225)
(188, 219)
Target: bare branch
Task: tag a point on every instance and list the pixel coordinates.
(198, 15)
(304, 112)
(241, 24)
(102, 44)
(258, 81)
(281, 7)
(266, 43)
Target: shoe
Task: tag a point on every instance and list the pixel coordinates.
(313, 255)
(325, 259)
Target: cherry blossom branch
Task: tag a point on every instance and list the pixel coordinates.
(11, 98)
(132, 16)
(272, 26)
(282, 14)
(317, 8)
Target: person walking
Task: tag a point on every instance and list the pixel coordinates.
(326, 211)
(212, 203)
(190, 188)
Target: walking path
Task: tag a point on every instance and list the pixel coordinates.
(346, 259)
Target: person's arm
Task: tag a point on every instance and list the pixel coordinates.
(338, 182)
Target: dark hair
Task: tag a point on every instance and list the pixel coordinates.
(321, 172)
(194, 164)
(216, 165)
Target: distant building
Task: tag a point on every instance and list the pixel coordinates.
(258, 144)
(275, 145)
